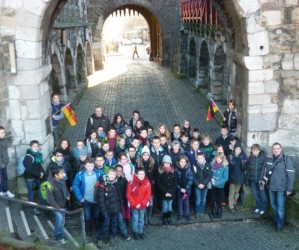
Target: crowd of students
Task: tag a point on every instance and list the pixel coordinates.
(121, 171)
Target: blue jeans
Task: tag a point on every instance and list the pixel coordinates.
(109, 225)
(137, 220)
(121, 225)
(59, 224)
(166, 206)
(200, 200)
(261, 201)
(183, 205)
(55, 136)
(30, 184)
(91, 210)
(3, 180)
(277, 199)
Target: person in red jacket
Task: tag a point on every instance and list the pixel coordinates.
(138, 195)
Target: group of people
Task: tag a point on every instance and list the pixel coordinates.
(120, 171)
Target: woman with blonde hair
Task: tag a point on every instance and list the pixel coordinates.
(163, 130)
(220, 176)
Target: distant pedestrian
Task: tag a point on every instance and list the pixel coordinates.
(135, 51)
(4, 159)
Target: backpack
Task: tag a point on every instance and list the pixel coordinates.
(43, 189)
(21, 167)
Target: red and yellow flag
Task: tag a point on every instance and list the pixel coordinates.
(70, 114)
(211, 110)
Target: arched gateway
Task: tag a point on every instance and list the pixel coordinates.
(258, 52)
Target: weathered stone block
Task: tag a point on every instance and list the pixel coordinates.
(14, 109)
(273, 17)
(28, 64)
(249, 6)
(28, 49)
(33, 77)
(35, 6)
(288, 62)
(17, 131)
(290, 107)
(285, 137)
(261, 122)
(272, 61)
(256, 88)
(258, 43)
(254, 109)
(290, 83)
(34, 130)
(289, 122)
(259, 99)
(28, 33)
(260, 75)
(270, 108)
(271, 86)
(291, 2)
(33, 108)
(29, 20)
(290, 74)
(260, 138)
(295, 16)
(24, 112)
(29, 92)
(14, 93)
(253, 62)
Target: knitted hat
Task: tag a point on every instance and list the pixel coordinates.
(83, 152)
(238, 145)
(145, 149)
(175, 142)
(128, 128)
(167, 159)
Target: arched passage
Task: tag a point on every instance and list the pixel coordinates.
(192, 58)
(81, 67)
(70, 74)
(217, 82)
(203, 69)
(55, 77)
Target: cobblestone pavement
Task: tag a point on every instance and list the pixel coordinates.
(143, 85)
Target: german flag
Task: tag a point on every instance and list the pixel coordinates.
(70, 114)
(211, 111)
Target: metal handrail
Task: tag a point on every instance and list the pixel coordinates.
(49, 208)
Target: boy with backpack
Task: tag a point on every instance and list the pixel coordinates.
(57, 195)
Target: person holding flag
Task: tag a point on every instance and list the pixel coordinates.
(230, 117)
(56, 115)
(70, 114)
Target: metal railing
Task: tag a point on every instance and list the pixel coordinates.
(49, 208)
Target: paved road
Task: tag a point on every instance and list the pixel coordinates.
(129, 84)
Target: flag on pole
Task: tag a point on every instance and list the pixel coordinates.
(70, 114)
(211, 110)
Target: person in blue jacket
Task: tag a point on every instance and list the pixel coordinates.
(83, 188)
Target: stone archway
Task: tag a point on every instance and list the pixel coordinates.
(70, 73)
(81, 66)
(204, 66)
(55, 77)
(217, 81)
(192, 58)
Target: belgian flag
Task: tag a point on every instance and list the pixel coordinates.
(211, 111)
(70, 114)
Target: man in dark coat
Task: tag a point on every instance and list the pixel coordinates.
(96, 120)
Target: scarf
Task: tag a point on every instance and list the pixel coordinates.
(167, 169)
(217, 165)
(184, 179)
(143, 140)
(38, 157)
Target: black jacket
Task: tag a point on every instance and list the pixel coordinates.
(167, 183)
(237, 166)
(58, 196)
(202, 175)
(3, 153)
(231, 120)
(108, 196)
(94, 122)
(32, 169)
(255, 166)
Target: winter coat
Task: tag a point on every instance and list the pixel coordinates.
(3, 153)
(94, 122)
(283, 176)
(108, 196)
(191, 154)
(166, 183)
(93, 147)
(123, 183)
(225, 143)
(189, 177)
(175, 156)
(67, 170)
(237, 167)
(139, 192)
(79, 184)
(32, 167)
(58, 196)
(231, 120)
(220, 176)
(202, 174)
(58, 114)
(158, 158)
(255, 166)
(208, 151)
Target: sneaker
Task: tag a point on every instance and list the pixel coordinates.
(112, 241)
(232, 210)
(1, 193)
(126, 237)
(256, 210)
(188, 219)
(62, 241)
(179, 218)
(237, 206)
(36, 211)
(9, 194)
(262, 212)
(135, 236)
